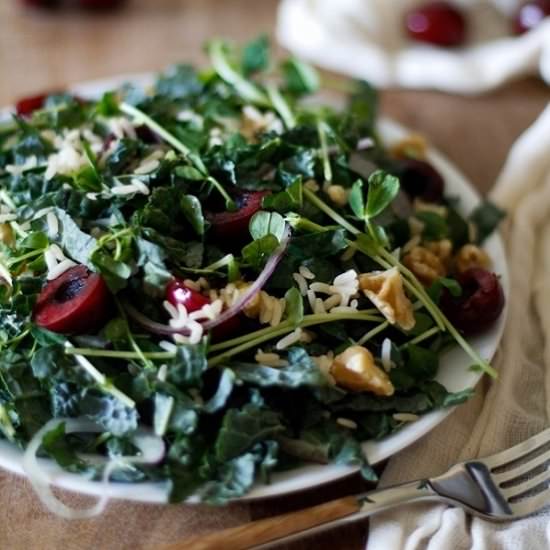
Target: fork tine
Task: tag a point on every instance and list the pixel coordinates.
(531, 504)
(509, 455)
(522, 469)
(525, 486)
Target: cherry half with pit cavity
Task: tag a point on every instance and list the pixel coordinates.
(480, 304)
(234, 225)
(438, 23)
(77, 302)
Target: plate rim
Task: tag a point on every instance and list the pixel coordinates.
(310, 476)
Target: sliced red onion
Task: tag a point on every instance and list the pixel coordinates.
(364, 144)
(152, 326)
(256, 286)
(253, 289)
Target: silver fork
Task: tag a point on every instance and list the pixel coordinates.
(505, 486)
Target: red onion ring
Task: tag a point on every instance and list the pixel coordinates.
(255, 287)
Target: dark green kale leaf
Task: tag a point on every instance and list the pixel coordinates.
(241, 429)
(186, 368)
(318, 245)
(179, 82)
(302, 371)
(360, 115)
(256, 55)
(76, 244)
(234, 479)
(486, 218)
(112, 415)
(435, 226)
(56, 444)
(300, 78)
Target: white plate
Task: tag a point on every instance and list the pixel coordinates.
(453, 373)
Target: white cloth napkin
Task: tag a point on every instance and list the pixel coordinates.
(508, 410)
(365, 39)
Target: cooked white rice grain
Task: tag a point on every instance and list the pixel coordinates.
(42, 212)
(343, 309)
(7, 218)
(167, 346)
(163, 370)
(121, 190)
(57, 252)
(347, 423)
(50, 260)
(59, 269)
(301, 282)
(140, 186)
(319, 308)
(405, 417)
(320, 287)
(270, 359)
(311, 299)
(289, 339)
(53, 224)
(147, 166)
(332, 301)
(306, 273)
(385, 355)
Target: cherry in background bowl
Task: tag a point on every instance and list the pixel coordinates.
(438, 23)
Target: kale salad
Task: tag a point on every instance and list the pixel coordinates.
(217, 277)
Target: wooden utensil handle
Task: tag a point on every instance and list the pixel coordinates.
(270, 529)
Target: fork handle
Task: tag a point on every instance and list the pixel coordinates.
(295, 525)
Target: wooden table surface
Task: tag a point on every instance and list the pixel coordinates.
(48, 50)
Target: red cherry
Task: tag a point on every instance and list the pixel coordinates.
(28, 105)
(419, 179)
(479, 305)
(178, 293)
(77, 302)
(234, 225)
(437, 23)
(530, 14)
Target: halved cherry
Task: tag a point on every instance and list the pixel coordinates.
(77, 302)
(419, 179)
(234, 225)
(27, 105)
(438, 23)
(530, 15)
(479, 305)
(178, 293)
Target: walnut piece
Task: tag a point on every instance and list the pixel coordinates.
(354, 369)
(470, 256)
(443, 250)
(385, 290)
(425, 265)
(337, 194)
(6, 234)
(413, 146)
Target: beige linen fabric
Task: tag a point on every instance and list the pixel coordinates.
(327, 31)
(504, 412)
(25, 524)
